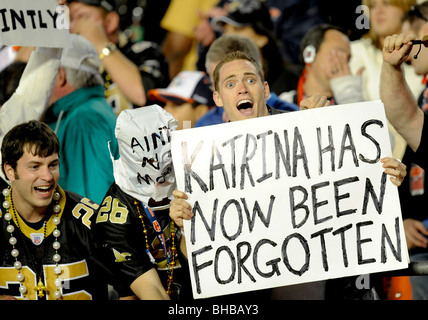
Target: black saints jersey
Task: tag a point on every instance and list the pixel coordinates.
(120, 231)
(82, 277)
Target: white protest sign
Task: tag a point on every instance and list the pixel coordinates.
(288, 199)
(40, 23)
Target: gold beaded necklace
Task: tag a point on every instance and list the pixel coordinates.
(171, 264)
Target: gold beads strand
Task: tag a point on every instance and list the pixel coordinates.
(171, 264)
(142, 221)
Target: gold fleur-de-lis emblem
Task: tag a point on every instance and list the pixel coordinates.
(40, 288)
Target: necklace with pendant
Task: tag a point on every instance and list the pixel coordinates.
(11, 214)
(169, 254)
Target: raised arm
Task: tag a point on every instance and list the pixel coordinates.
(124, 72)
(400, 106)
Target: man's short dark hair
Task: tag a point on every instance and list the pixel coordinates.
(32, 136)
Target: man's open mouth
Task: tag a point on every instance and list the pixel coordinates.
(245, 106)
(44, 189)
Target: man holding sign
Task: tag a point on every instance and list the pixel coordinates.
(241, 90)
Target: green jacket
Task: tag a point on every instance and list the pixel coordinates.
(85, 123)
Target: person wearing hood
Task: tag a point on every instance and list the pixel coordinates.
(140, 241)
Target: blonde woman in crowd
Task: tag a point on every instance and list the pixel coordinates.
(385, 19)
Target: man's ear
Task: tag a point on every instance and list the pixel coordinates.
(266, 90)
(111, 22)
(10, 172)
(61, 78)
(217, 99)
